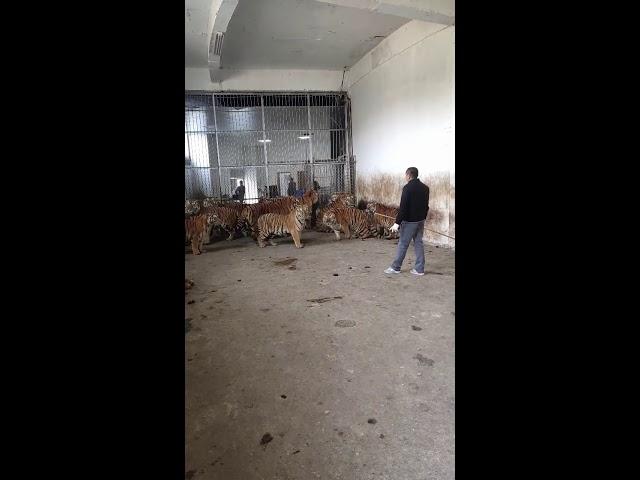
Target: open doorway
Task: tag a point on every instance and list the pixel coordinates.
(283, 182)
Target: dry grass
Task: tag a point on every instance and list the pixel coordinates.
(387, 188)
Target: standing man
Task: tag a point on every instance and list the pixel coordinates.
(414, 206)
(240, 192)
(314, 208)
(291, 188)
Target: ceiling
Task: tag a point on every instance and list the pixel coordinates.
(303, 34)
(287, 34)
(196, 21)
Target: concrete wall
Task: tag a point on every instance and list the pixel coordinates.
(402, 103)
(263, 80)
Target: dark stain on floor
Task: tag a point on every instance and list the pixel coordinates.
(284, 262)
(189, 475)
(323, 299)
(266, 438)
(345, 323)
(422, 360)
(417, 329)
(372, 421)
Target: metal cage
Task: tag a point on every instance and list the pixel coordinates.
(266, 139)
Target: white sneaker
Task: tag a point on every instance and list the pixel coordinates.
(413, 270)
(391, 270)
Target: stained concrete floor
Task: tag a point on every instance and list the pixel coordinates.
(319, 367)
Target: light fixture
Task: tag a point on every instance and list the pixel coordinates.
(306, 136)
(264, 141)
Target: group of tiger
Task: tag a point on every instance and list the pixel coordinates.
(285, 215)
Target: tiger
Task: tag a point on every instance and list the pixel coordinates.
(348, 219)
(224, 217)
(283, 206)
(211, 202)
(383, 217)
(343, 198)
(249, 217)
(338, 199)
(286, 204)
(197, 231)
(270, 224)
(192, 207)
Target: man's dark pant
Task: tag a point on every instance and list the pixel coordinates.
(410, 231)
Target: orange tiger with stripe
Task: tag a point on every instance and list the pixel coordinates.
(197, 231)
(192, 207)
(226, 218)
(283, 206)
(383, 218)
(270, 224)
(344, 199)
(347, 219)
(249, 217)
(339, 199)
(211, 202)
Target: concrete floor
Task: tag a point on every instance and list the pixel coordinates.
(296, 373)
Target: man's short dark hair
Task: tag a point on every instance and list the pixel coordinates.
(412, 172)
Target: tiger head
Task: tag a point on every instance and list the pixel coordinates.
(371, 207)
(209, 202)
(327, 216)
(213, 218)
(245, 214)
(311, 196)
(191, 207)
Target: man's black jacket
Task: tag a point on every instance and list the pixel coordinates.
(414, 204)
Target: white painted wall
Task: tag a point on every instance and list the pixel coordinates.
(264, 80)
(402, 103)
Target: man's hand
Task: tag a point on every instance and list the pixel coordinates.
(395, 227)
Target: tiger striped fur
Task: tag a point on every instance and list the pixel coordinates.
(224, 217)
(250, 215)
(339, 199)
(192, 207)
(270, 224)
(196, 229)
(211, 202)
(383, 218)
(344, 199)
(283, 206)
(348, 219)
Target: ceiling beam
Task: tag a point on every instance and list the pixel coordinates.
(434, 11)
(219, 18)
